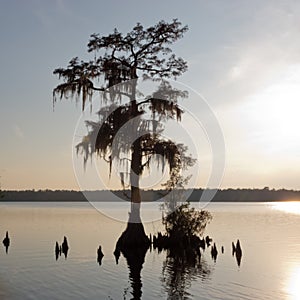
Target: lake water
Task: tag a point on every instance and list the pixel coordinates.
(270, 265)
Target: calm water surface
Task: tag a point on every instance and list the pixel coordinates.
(270, 266)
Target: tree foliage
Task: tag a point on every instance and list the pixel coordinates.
(118, 61)
(186, 221)
(143, 52)
(2, 194)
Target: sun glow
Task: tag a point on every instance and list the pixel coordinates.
(293, 287)
(288, 207)
(273, 114)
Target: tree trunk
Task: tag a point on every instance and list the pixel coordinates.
(134, 235)
(136, 162)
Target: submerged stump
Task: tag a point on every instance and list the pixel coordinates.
(6, 242)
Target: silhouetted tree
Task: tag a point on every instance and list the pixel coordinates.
(175, 187)
(186, 221)
(119, 60)
(1, 192)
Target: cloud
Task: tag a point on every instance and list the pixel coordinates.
(252, 58)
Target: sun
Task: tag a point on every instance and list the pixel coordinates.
(272, 114)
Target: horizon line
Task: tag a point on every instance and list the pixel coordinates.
(121, 190)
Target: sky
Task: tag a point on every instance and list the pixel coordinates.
(243, 57)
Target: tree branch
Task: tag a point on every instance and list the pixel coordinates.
(147, 162)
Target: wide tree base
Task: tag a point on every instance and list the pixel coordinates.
(134, 236)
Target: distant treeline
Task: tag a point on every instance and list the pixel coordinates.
(225, 195)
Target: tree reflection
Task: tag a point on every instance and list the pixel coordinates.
(180, 269)
(135, 258)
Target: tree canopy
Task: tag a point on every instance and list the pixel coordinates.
(186, 221)
(143, 52)
(119, 61)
